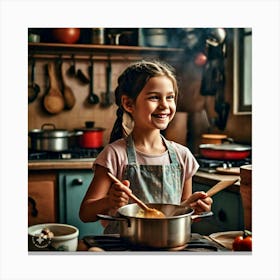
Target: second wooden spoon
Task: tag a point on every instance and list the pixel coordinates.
(212, 191)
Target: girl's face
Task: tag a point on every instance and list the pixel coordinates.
(155, 105)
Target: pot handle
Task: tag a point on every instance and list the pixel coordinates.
(75, 133)
(197, 217)
(48, 125)
(113, 218)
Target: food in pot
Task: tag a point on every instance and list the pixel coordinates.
(152, 213)
(243, 242)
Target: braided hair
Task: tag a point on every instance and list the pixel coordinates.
(131, 82)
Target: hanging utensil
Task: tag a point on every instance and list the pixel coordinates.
(53, 100)
(82, 77)
(71, 72)
(148, 212)
(107, 97)
(69, 96)
(92, 98)
(33, 88)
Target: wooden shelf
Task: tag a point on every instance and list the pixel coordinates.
(100, 52)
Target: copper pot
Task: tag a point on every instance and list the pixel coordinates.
(213, 138)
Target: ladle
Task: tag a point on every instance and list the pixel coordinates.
(71, 72)
(212, 191)
(92, 98)
(33, 88)
(148, 212)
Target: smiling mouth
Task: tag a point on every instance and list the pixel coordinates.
(160, 116)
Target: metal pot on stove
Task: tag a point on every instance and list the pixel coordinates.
(168, 232)
(50, 139)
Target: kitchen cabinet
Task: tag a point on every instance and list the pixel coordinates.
(73, 185)
(42, 194)
(228, 212)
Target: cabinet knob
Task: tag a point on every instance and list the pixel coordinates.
(222, 215)
(77, 181)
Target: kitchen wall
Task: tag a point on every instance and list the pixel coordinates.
(82, 110)
(190, 122)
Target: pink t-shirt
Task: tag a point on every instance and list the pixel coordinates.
(114, 157)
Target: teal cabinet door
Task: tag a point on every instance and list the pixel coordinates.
(227, 209)
(73, 185)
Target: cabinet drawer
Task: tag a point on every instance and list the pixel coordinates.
(41, 199)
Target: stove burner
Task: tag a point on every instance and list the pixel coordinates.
(198, 243)
(210, 165)
(75, 153)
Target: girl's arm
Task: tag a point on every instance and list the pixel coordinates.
(199, 201)
(102, 196)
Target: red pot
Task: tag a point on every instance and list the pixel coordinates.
(225, 151)
(91, 137)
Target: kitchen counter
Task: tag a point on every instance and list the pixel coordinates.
(85, 163)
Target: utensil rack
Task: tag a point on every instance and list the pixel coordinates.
(99, 52)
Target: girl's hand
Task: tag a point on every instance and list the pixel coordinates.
(118, 195)
(200, 202)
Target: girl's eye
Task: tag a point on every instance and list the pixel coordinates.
(171, 96)
(153, 97)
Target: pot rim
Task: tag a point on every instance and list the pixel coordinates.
(93, 129)
(49, 133)
(226, 147)
(189, 211)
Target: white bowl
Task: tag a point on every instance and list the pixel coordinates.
(65, 238)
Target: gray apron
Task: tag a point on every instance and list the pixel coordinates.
(152, 183)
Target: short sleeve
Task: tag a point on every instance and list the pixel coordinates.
(113, 157)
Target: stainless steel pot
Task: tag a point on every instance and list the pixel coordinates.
(50, 139)
(169, 232)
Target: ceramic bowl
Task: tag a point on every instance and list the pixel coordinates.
(65, 238)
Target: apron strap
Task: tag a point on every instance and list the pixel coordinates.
(131, 153)
(171, 151)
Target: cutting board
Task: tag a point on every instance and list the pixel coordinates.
(229, 171)
(225, 238)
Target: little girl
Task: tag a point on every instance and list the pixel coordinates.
(154, 169)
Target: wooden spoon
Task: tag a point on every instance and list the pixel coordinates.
(220, 186)
(53, 100)
(212, 191)
(148, 212)
(69, 96)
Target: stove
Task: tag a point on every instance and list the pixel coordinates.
(74, 153)
(210, 165)
(113, 243)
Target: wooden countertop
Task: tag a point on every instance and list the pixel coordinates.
(199, 177)
(61, 164)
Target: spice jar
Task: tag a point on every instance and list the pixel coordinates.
(97, 36)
